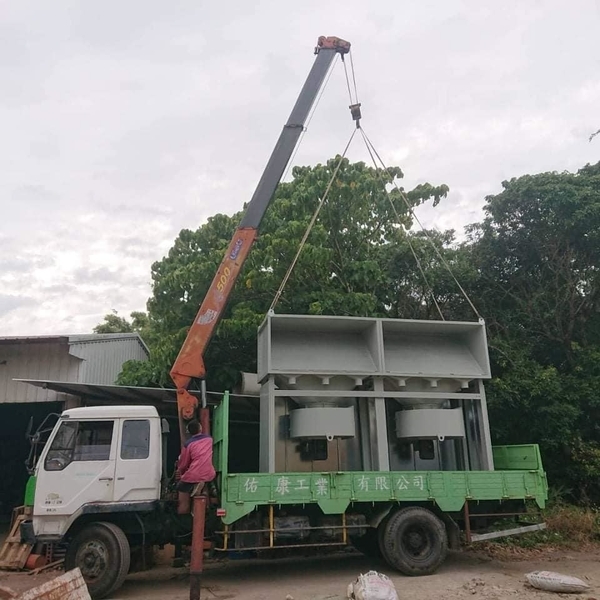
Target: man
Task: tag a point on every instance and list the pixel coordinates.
(195, 464)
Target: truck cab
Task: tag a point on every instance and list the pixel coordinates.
(98, 460)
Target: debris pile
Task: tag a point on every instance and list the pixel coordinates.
(68, 586)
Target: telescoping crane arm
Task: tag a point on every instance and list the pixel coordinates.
(190, 361)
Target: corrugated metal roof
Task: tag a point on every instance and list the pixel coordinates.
(115, 394)
(105, 337)
(34, 339)
(103, 356)
(74, 339)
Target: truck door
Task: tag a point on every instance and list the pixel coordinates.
(138, 467)
(78, 469)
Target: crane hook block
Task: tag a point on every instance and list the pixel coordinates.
(333, 43)
(355, 112)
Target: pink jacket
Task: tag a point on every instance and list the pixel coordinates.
(195, 461)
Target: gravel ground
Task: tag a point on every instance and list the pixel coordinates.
(464, 575)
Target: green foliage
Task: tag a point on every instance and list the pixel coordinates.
(538, 252)
(537, 256)
(113, 323)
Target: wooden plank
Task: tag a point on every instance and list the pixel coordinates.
(52, 565)
(14, 554)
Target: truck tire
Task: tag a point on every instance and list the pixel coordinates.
(102, 553)
(414, 541)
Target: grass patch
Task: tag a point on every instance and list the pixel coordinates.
(568, 528)
(573, 525)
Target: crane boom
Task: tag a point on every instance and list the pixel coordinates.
(190, 361)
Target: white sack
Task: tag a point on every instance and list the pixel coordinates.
(372, 586)
(555, 582)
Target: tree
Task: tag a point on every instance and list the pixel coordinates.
(113, 323)
(537, 257)
(538, 253)
(419, 284)
(344, 269)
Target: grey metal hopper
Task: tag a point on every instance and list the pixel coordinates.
(303, 344)
(363, 347)
(435, 349)
(314, 382)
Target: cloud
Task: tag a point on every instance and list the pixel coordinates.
(15, 264)
(125, 122)
(9, 303)
(96, 276)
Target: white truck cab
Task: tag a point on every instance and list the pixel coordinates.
(97, 460)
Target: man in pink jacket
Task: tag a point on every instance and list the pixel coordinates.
(195, 461)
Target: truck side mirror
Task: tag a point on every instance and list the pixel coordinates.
(29, 428)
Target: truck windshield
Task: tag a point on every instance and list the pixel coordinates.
(79, 441)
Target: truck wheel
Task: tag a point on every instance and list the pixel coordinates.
(101, 551)
(414, 541)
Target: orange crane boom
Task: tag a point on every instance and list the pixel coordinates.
(189, 364)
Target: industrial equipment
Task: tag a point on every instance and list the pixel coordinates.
(372, 394)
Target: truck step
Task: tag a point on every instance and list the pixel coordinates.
(475, 537)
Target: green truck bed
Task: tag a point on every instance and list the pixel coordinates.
(519, 475)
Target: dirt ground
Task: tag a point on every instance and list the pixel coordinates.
(464, 575)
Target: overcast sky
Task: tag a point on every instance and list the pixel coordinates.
(123, 122)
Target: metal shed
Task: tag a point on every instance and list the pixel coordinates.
(96, 358)
(90, 359)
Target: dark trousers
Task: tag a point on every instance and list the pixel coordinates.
(185, 487)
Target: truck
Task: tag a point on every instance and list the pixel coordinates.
(373, 433)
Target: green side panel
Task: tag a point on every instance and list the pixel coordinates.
(333, 492)
(220, 431)
(519, 475)
(526, 457)
(30, 491)
(333, 507)
(237, 511)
